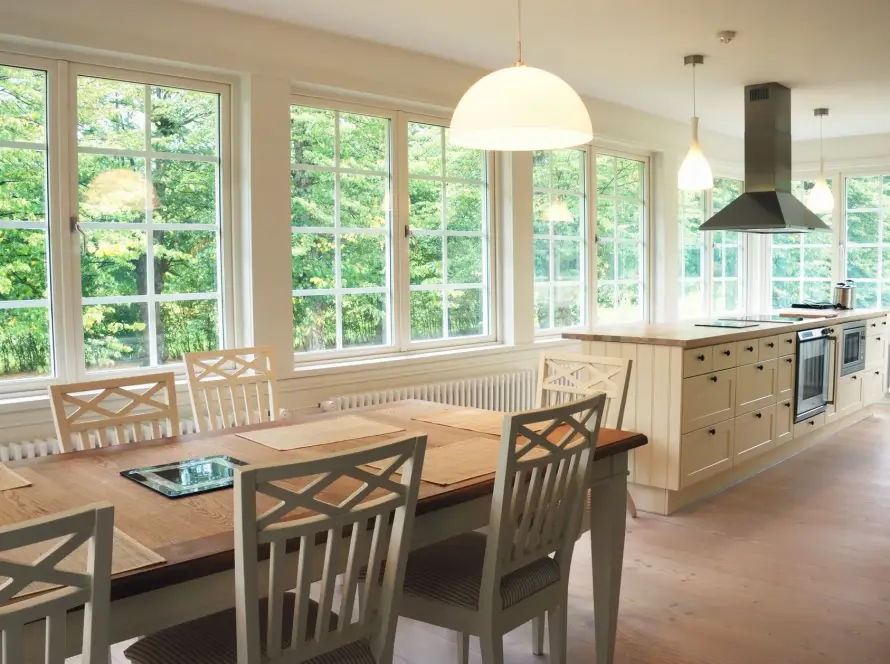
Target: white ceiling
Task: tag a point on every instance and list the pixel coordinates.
(830, 52)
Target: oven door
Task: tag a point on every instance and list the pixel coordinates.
(813, 376)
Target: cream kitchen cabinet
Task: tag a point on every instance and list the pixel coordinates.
(708, 399)
(787, 372)
(876, 326)
(809, 425)
(748, 351)
(698, 361)
(872, 386)
(784, 422)
(788, 343)
(876, 351)
(754, 433)
(706, 452)
(849, 393)
(725, 356)
(756, 386)
(769, 348)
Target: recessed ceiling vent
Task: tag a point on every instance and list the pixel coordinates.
(767, 206)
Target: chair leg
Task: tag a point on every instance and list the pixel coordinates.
(538, 635)
(631, 507)
(557, 619)
(463, 647)
(492, 648)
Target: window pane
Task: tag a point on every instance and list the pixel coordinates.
(312, 136)
(24, 343)
(464, 260)
(362, 201)
(114, 264)
(112, 189)
(542, 260)
(184, 121)
(22, 105)
(116, 336)
(22, 184)
(312, 257)
(464, 207)
(184, 192)
(364, 320)
(23, 274)
(185, 262)
(426, 259)
(862, 226)
(426, 204)
(312, 198)
(363, 261)
(186, 326)
(541, 169)
(868, 209)
(363, 142)
(315, 323)
(424, 149)
(110, 114)
(542, 307)
(567, 255)
(426, 315)
(862, 263)
(464, 312)
(568, 305)
(568, 170)
(464, 163)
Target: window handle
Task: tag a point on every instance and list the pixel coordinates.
(77, 228)
(412, 238)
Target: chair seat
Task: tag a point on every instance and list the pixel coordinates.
(451, 572)
(212, 640)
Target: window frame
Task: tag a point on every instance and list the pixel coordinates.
(588, 247)
(63, 258)
(842, 245)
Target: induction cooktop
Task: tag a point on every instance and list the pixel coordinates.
(766, 319)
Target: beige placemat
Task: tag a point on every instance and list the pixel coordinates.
(457, 462)
(127, 555)
(320, 432)
(472, 419)
(9, 479)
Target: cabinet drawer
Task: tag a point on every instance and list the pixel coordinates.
(784, 422)
(748, 351)
(754, 434)
(875, 326)
(725, 357)
(698, 361)
(788, 343)
(756, 386)
(872, 386)
(787, 373)
(706, 452)
(769, 348)
(810, 425)
(708, 399)
(875, 351)
(849, 393)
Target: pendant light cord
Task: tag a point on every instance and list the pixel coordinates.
(821, 150)
(694, 114)
(519, 32)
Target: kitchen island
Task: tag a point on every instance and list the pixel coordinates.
(718, 404)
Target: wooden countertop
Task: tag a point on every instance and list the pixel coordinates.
(687, 335)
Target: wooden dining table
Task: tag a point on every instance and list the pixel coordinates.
(195, 534)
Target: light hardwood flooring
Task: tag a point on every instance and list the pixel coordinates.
(789, 567)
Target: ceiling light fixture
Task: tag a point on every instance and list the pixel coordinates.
(695, 172)
(821, 200)
(558, 211)
(520, 108)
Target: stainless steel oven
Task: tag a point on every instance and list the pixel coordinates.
(852, 348)
(815, 355)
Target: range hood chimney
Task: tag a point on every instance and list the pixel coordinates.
(767, 206)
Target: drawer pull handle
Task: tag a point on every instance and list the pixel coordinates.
(701, 358)
(750, 349)
(878, 338)
(884, 323)
(874, 324)
(789, 341)
(855, 377)
(771, 345)
(758, 415)
(787, 405)
(877, 373)
(790, 360)
(812, 423)
(713, 432)
(760, 367)
(727, 353)
(713, 379)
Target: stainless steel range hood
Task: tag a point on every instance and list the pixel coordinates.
(767, 206)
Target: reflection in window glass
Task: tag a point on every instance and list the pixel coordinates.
(448, 245)
(560, 223)
(148, 170)
(801, 262)
(727, 258)
(868, 238)
(620, 237)
(692, 254)
(25, 350)
(341, 218)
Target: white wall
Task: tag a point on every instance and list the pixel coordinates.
(264, 60)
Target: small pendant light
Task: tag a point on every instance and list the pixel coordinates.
(558, 211)
(520, 108)
(821, 200)
(695, 172)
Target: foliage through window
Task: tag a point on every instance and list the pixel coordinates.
(560, 229)
(449, 235)
(148, 173)
(727, 256)
(620, 238)
(341, 220)
(801, 262)
(25, 349)
(868, 238)
(692, 255)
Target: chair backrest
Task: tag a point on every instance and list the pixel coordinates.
(565, 377)
(539, 491)
(100, 413)
(366, 520)
(39, 552)
(232, 387)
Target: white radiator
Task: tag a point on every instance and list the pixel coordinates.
(41, 447)
(508, 392)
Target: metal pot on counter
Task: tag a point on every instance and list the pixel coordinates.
(844, 294)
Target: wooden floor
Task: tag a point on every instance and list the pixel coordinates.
(790, 567)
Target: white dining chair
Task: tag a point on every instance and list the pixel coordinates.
(50, 541)
(117, 411)
(366, 525)
(488, 584)
(232, 387)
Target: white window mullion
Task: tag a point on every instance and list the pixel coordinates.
(152, 314)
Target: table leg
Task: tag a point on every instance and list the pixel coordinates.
(607, 520)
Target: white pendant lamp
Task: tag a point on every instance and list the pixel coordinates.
(520, 108)
(821, 200)
(695, 172)
(558, 211)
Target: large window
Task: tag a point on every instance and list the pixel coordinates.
(340, 203)
(560, 229)
(448, 237)
(148, 175)
(710, 264)
(621, 200)
(868, 238)
(25, 344)
(801, 262)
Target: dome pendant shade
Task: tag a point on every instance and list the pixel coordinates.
(821, 200)
(695, 172)
(520, 108)
(558, 211)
